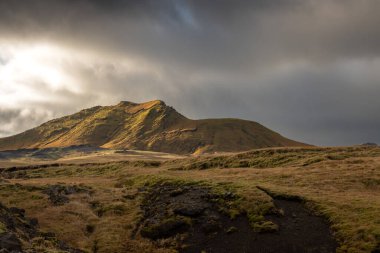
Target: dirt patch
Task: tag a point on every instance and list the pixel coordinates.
(194, 219)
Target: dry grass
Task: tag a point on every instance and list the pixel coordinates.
(344, 187)
(76, 156)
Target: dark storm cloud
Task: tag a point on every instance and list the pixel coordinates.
(308, 69)
(204, 33)
(16, 120)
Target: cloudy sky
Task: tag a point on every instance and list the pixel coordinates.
(309, 69)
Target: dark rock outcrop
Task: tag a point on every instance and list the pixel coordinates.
(17, 233)
(58, 194)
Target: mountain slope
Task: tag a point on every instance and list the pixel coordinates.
(147, 126)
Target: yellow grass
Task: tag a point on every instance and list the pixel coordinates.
(345, 189)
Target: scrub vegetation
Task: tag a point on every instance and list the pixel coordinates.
(139, 206)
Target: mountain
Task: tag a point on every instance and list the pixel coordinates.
(147, 126)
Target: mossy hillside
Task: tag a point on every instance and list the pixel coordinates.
(147, 126)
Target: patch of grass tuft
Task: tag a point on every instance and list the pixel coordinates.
(265, 227)
(3, 228)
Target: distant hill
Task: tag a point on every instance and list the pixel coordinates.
(369, 144)
(147, 126)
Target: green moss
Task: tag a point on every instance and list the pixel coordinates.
(233, 213)
(256, 213)
(3, 228)
(265, 227)
(254, 218)
(166, 227)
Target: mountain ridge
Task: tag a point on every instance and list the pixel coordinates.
(152, 126)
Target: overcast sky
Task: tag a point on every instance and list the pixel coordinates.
(309, 69)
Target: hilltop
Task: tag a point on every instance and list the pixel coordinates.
(152, 126)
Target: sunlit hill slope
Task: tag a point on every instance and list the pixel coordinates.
(147, 126)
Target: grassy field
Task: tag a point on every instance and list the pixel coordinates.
(104, 211)
(77, 155)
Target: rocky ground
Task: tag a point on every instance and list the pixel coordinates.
(20, 234)
(199, 220)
